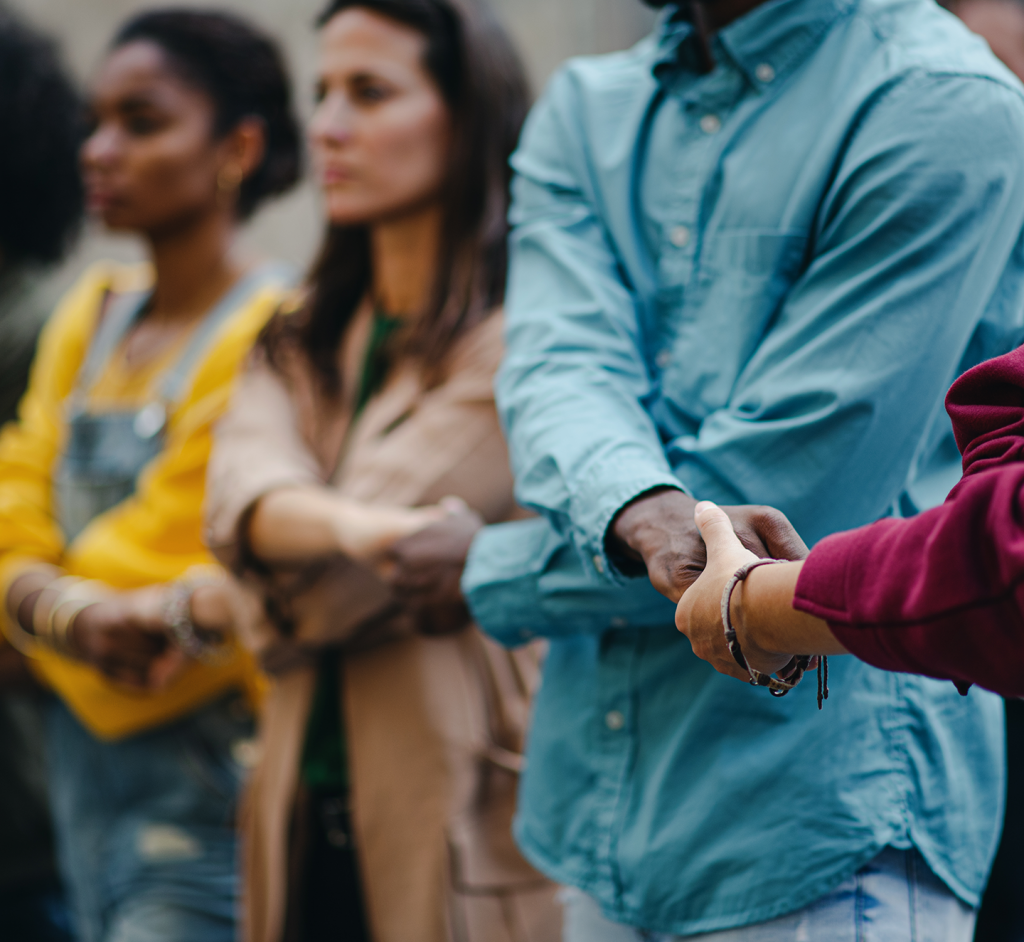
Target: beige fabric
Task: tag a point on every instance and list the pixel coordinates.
(435, 725)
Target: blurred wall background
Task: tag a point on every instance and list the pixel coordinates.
(545, 32)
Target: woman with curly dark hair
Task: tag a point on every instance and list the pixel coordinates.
(106, 585)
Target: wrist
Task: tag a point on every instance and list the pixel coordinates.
(646, 524)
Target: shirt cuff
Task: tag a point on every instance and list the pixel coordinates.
(596, 504)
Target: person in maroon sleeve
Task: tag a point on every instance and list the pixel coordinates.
(940, 594)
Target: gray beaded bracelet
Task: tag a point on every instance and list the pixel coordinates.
(790, 675)
(178, 617)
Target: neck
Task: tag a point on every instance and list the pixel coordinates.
(194, 265)
(405, 261)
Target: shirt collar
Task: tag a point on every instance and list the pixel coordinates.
(766, 43)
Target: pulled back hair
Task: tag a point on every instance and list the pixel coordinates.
(242, 72)
(42, 126)
(481, 81)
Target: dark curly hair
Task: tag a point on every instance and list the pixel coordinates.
(42, 125)
(243, 73)
(480, 77)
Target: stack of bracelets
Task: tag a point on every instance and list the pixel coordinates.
(61, 598)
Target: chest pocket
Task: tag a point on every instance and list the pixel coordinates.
(105, 452)
(742, 280)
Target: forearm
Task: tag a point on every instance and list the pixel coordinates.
(294, 525)
(298, 525)
(762, 611)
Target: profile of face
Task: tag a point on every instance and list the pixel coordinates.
(381, 131)
(1001, 24)
(152, 162)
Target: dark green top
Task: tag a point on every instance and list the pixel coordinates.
(324, 757)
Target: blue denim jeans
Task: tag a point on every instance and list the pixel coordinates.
(895, 898)
(145, 826)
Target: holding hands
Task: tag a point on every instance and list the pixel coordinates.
(769, 630)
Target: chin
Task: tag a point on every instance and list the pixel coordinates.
(348, 213)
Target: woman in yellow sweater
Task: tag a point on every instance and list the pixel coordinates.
(101, 481)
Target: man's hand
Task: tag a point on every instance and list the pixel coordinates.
(126, 638)
(658, 530)
(426, 567)
(699, 612)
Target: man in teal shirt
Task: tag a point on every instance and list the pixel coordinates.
(746, 269)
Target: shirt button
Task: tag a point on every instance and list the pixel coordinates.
(679, 236)
(764, 72)
(614, 720)
(664, 359)
(619, 622)
(598, 563)
(710, 124)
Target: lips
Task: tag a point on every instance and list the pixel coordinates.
(101, 198)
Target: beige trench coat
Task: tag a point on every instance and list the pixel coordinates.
(434, 725)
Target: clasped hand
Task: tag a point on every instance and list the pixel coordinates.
(690, 561)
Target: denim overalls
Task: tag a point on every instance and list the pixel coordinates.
(144, 825)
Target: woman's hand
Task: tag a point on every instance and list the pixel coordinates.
(298, 525)
(125, 637)
(425, 569)
(366, 531)
(699, 612)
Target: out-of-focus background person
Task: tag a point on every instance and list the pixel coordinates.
(102, 475)
(543, 32)
(41, 201)
(393, 731)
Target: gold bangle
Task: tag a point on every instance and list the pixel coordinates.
(19, 638)
(64, 614)
(78, 595)
(47, 601)
(35, 580)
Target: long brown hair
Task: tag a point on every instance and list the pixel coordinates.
(482, 82)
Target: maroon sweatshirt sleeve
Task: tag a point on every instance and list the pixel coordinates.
(942, 593)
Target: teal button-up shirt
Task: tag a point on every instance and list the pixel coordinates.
(755, 284)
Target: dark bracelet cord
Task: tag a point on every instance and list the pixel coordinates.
(790, 675)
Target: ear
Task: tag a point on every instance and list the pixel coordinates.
(243, 147)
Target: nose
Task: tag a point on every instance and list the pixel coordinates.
(331, 124)
(101, 148)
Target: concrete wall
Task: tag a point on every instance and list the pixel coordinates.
(545, 31)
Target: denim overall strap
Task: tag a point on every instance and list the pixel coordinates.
(175, 380)
(106, 451)
(124, 311)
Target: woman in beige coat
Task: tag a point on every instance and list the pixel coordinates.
(361, 454)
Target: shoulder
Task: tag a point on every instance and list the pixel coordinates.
(591, 104)
(68, 331)
(480, 349)
(915, 42)
(918, 83)
(231, 346)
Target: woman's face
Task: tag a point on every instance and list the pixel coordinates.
(151, 163)
(380, 133)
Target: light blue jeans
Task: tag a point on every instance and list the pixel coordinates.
(895, 898)
(145, 826)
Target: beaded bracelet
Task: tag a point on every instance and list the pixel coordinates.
(793, 672)
(178, 615)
